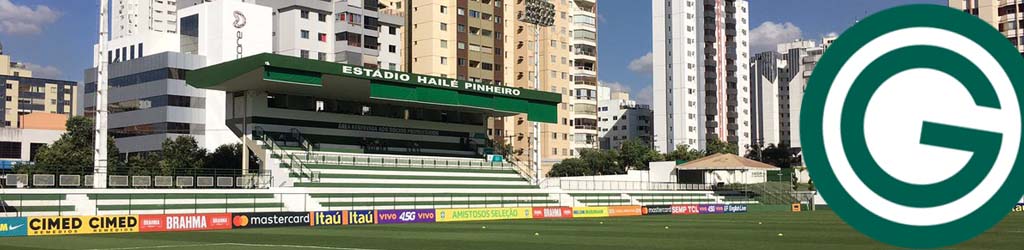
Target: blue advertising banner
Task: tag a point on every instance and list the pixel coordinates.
(735, 208)
(711, 209)
(13, 226)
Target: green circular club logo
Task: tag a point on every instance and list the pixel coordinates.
(911, 126)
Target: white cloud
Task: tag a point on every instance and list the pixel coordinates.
(833, 33)
(644, 95)
(769, 34)
(48, 72)
(24, 20)
(643, 65)
(615, 86)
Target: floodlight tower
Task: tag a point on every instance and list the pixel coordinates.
(100, 134)
(540, 13)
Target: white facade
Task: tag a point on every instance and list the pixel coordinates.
(131, 17)
(621, 119)
(584, 88)
(701, 75)
(765, 85)
(25, 138)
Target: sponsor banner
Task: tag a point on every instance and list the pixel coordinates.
(685, 209)
(476, 214)
(1019, 208)
(657, 210)
(735, 208)
(589, 212)
(406, 216)
(184, 222)
(275, 219)
(13, 226)
(360, 217)
(616, 211)
(59, 225)
(328, 218)
(711, 209)
(552, 212)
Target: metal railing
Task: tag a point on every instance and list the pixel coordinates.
(292, 163)
(435, 200)
(114, 180)
(623, 185)
(398, 161)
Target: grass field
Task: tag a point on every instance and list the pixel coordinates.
(808, 230)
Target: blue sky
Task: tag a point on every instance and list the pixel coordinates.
(56, 36)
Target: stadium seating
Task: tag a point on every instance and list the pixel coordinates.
(356, 201)
(169, 203)
(34, 204)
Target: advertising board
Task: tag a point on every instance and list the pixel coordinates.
(184, 222)
(274, 219)
(406, 216)
(589, 212)
(617, 211)
(685, 209)
(328, 218)
(477, 214)
(61, 225)
(13, 226)
(552, 212)
(657, 210)
(360, 217)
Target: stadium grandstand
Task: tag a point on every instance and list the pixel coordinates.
(330, 136)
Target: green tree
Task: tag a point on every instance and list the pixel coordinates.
(634, 154)
(181, 156)
(144, 164)
(571, 167)
(716, 146)
(590, 162)
(683, 152)
(227, 157)
(781, 156)
(73, 151)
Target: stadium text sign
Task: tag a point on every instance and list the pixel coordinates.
(657, 210)
(184, 222)
(59, 225)
(911, 126)
(13, 226)
(406, 216)
(276, 219)
(476, 214)
(360, 217)
(395, 76)
(685, 209)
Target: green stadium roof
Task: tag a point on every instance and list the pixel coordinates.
(286, 74)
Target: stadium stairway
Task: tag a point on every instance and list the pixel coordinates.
(609, 198)
(34, 204)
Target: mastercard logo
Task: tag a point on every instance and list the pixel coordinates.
(241, 221)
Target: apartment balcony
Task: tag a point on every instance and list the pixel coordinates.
(729, 8)
(710, 51)
(731, 91)
(731, 67)
(731, 114)
(710, 62)
(711, 124)
(590, 56)
(710, 110)
(732, 126)
(586, 70)
(731, 55)
(730, 32)
(733, 139)
(730, 20)
(710, 39)
(731, 79)
(587, 127)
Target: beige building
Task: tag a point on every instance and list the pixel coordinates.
(1005, 15)
(482, 41)
(22, 94)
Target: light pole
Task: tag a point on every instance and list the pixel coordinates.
(540, 13)
(100, 134)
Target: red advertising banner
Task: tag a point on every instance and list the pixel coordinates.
(184, 222)
(685, 209)
(615, 211)
(552, 212)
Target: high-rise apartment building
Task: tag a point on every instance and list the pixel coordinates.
(1005, 15)
(483, 41)
(701, 73)
(622, 119)
(765, 70)
(583, 97)
(777, 84)
(130, 17)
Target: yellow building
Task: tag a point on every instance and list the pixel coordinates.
(482, 41)
(23, 94)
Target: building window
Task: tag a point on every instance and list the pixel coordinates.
(304, 34)
(392, 30)
(444, 43)
(461, 11)
(304, 53)
(444, 60)
(444, 9)
(444, 27)
(304, 14)
(322, 17)
(321, 56)
(322, 37)
(392, 49)
(10, 150)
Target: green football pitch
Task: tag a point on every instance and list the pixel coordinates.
(758, 230)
